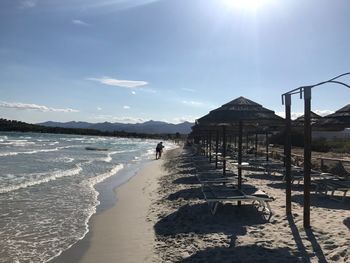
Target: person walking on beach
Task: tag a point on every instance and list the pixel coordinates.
(159, 150)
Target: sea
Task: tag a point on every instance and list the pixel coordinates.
(51, 185)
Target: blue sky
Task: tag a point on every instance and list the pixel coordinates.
(169, 60)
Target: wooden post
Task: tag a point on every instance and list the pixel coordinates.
(224, 150)
(267, 146)
(256, 144)
(307, 155)
(209, 147)
(247, 142)
(206, 146)
(216, 149)
(287, 152)
(240, 131)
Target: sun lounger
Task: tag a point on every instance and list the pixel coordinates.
(298, 176)
(323, 186)
(216, 177)
(215, 194)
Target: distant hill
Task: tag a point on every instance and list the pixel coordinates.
(148, 127)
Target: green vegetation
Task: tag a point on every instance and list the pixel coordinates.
(18, 126)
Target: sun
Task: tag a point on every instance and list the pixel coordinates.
(245, 4)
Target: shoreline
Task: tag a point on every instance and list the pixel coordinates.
(120, 231)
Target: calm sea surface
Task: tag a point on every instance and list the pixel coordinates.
(47, 188)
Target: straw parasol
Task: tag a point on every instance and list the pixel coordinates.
(338, 120)
(238, 113)
(313, 116)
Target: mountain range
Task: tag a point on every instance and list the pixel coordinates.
(149, 127)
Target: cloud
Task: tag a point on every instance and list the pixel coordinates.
(182, 119)
(24, 4)
(121, 119)
(323, 112)
(133, 92)
(79, 22)
(120, 82)
(295, 115)
(99, 108)
(192, 103)
(27, 106)
(126, 107)
(187, 89)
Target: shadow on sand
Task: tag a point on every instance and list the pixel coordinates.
(240, 254)
(187, 194)
(318, 200)
(264, 176)
(197, 218)
(318, 253)
(282, 185)
(347, 222)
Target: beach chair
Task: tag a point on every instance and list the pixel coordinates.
(216, 177)
(216, 194)
(332, 185)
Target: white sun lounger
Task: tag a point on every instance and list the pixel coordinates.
(215, 194)
(332, 185)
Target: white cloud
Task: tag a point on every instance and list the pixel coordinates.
(189, 118)
(125, 119)
(133, 92)
(79, 22)
(99, 108)
(27, 4)
(323, 112)
(27, 106)
(120, 82)
(192, 103)
(187, 89)
(295, 115)
(126, 107)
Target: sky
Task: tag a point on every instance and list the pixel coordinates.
(167, 60)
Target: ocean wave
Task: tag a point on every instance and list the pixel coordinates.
(109, 158)
(92, 210)
(18, 143)
(101, 177)
(52, 176)
(35, 151)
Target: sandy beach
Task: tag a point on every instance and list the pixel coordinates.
(122, 233)
(161, 216)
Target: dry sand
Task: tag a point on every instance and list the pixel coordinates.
(160, 216)
(187, 232)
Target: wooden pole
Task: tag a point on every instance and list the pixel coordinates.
(267, 146)
(240, 131)
(206, 146)
(224, 150)
(247, 142)
(216, 149)
(287, 152)
(256, 144)
(307, 155)
(209, 147)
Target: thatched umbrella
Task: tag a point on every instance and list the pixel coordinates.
(313, 116)
(336, 121)
(240, 113)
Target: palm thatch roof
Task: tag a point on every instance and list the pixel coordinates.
(241, 109)
(314, 117)
(338, 120)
